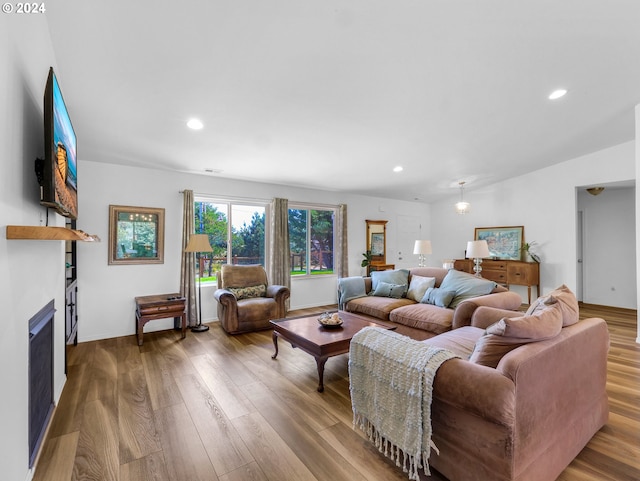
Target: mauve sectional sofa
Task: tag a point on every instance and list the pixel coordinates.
(528, 391)
(527, 418)
(421, 320)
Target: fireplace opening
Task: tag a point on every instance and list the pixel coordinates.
(40, 376)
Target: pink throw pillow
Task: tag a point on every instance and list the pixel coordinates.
(568, 305)
(542, 324)
(491, 348)
(509, 333)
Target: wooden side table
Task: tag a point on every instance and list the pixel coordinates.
(161, 306)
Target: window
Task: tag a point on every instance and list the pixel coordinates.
(311, 240)
(236, 234)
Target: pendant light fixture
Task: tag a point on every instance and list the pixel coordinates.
(595, 190)
(462, 207)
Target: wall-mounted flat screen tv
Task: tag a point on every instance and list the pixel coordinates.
(59, 171)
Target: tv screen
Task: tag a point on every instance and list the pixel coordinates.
(59, 174)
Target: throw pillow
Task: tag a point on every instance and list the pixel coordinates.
(438, 297)
(397, 276)
(466, 286)
(568, 305)
(512, 332)
(543, 324)
(540, 303)
(491, 348)
(385, 289)
(418, 286)
(259, 290)
(350, 288)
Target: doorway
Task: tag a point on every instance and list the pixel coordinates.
(605, 246)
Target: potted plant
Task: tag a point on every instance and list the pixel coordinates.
(366, 262)
(527, 254)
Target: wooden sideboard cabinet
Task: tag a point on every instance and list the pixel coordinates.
(505, 272)
(378, 266)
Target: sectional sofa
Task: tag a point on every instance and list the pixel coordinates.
(526, 394)
(455, 296)
(524, 411)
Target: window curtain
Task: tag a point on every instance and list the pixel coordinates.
(279, 249)
(188, 266)
(342, 248)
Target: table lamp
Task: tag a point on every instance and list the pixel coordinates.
(476, 250)
(199, 243)
(422, 248)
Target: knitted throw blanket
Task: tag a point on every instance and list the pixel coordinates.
(391, 378)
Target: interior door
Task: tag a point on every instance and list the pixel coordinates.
(408, 233)
(579, 256)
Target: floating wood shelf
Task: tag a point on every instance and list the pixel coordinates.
(49, 233)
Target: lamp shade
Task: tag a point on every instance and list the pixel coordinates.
(422, 247)
(198, 243)
(477, 249)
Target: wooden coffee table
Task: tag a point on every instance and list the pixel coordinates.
(321, 342)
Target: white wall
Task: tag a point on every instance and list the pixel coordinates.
(32, 271)
(609, 247)
(637, 172)
(544, 202)
(106, 293)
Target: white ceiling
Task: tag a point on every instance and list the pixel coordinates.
(334, 94)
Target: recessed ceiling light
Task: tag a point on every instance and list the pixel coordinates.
(194, 124)
(556, 94)
(397, 168)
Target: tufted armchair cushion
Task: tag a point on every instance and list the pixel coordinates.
(246, 301)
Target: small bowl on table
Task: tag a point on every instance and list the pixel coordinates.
(330, 321)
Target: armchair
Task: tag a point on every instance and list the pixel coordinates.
(246, 301)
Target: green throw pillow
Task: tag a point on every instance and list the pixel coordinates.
(385, 289)
(466, 286)
(438, 297)
(397, 277)
(248, 292)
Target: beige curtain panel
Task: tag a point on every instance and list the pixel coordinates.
(279, 252)
(188, 266)
(342, 248)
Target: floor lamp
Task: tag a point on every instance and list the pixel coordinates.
(199, 243)
(476, 250)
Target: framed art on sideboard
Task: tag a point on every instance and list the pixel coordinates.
(504, 242)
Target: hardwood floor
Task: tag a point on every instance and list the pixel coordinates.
(217, 407)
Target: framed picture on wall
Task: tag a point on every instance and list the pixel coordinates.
(504, 242)
(136, 235)
(377, 244)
